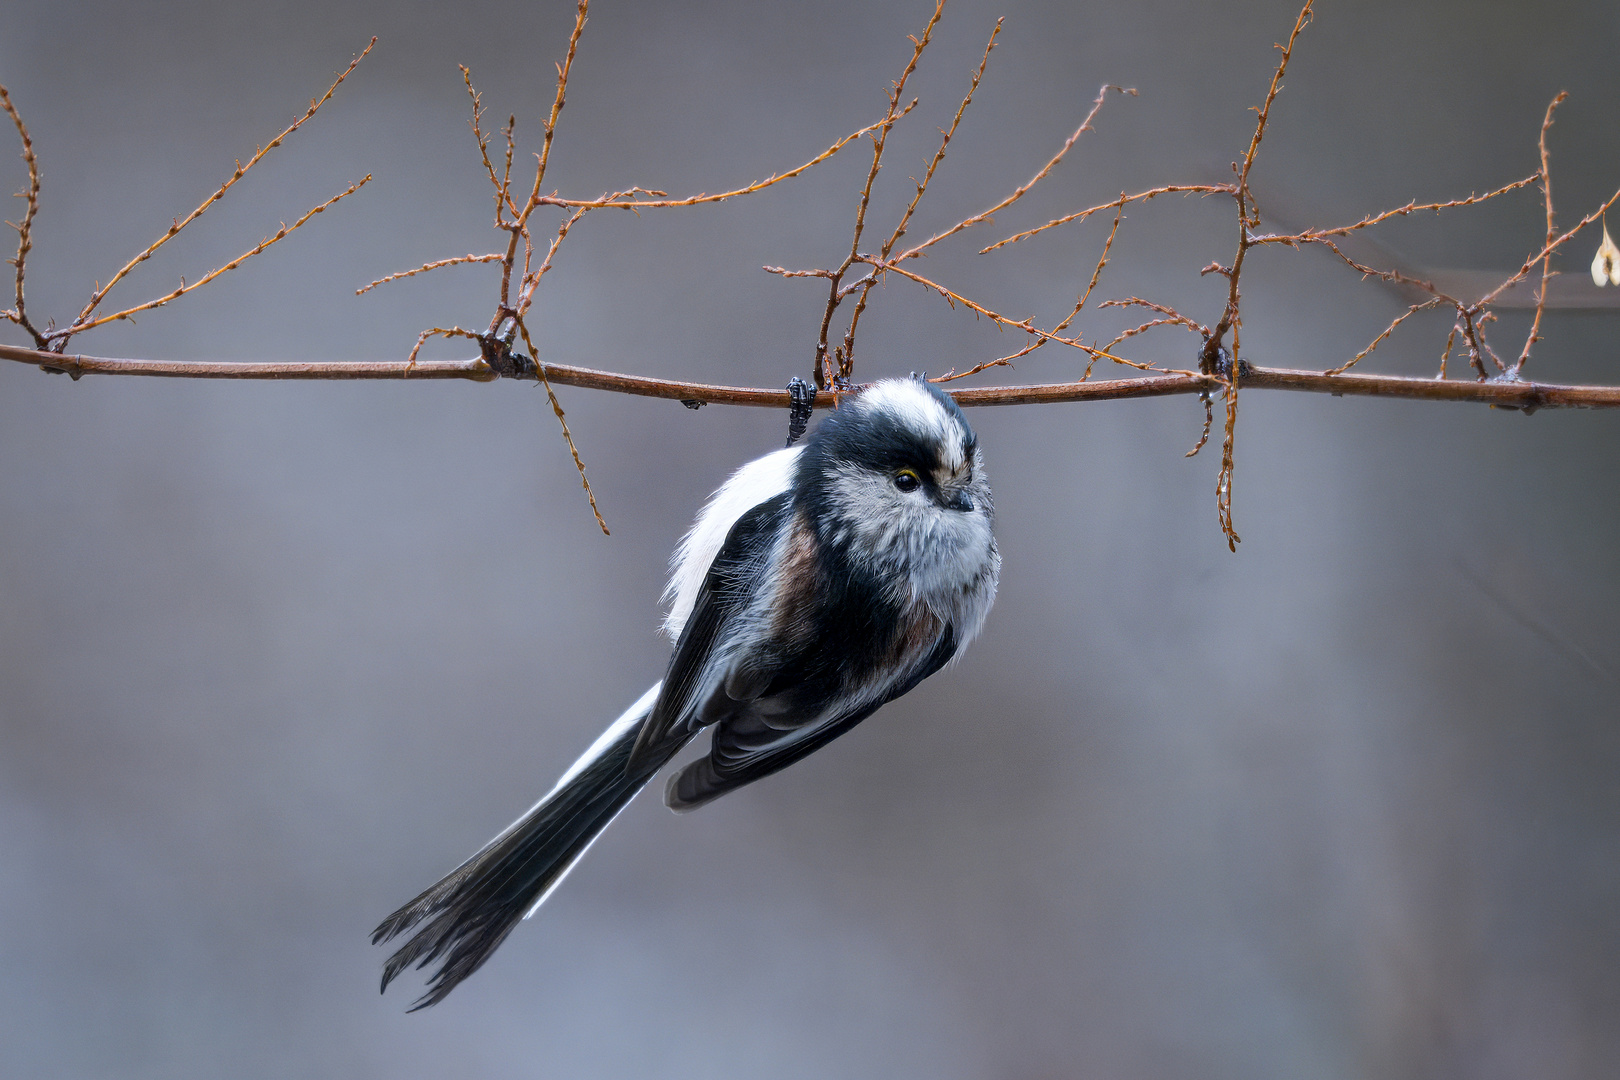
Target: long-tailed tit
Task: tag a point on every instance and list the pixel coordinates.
(819, 582)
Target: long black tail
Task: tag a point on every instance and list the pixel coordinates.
(471, 910)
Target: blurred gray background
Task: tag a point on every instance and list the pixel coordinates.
(274, 657)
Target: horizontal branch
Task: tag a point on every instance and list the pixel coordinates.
(1520, 394)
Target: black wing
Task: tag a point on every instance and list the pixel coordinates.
(747, 749)
(733, 578)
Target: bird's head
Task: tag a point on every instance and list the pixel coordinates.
(896, 478)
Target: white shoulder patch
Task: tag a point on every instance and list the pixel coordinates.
(761, 479)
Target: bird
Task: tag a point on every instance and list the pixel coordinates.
(818, 583)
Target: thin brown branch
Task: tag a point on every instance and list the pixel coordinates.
(531, 280)
(1478, 348)
(1550, 247)
(557, 409)
(1000, 361)
(1522, 394)
(411, 365)
(503, 200)
(280, 234)
(1552, 232)
(1309, 235)
(550, 131)
(830, 370)
(1232, 318)
(1451, 340)
(82, 323)
(780, 271)
(517, 229)
(506, 173)
(1300, 23)
(1023, 189)
(25, 228)
(436, 265)
(1027, 325)
(1080, 303)
(847, 357)
(1172, 317)
(1171, 314)
(1394, 277)
(1219, 368)
(891, 116)
(476, 123)
(944, 142)
(1209, 423)
(1123, 200)
(1143, 328)
(1388, 330)
(701, 198)
(1102, 261)
(1223, 480)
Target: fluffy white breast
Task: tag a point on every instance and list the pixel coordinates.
(761, 479)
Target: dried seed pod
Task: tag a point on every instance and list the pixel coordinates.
(1606, 263)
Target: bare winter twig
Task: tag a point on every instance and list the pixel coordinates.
(530, 252)
(25, 228)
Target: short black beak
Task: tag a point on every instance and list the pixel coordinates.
(959, 501)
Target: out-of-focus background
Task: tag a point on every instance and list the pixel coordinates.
(275, 657)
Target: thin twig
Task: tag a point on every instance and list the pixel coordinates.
(1388, 330)
(1080, 303)
(1123, 200)
(1023, 189)
(432, 332)
(1170, 313)
(568, 437)
(784, 272)
(1102, 261)
(945, 141)
(1027, 325)
(531, 279)
(830, 370)
(517, 228)
(1223, 480)
(506, 173)
(25, 228)
(701, 198)
(1232, 318)
(1550, 247)
(278, 235)
(1451, 339)
(1394, 277)
(82, 322)
(1474, 338)
(847, 358)
(550, 130)
(1142, 328)
(425, 267)
(1209, 424)
(503, 200)
(1552, 232)
(1000, 361)
(1308, 235)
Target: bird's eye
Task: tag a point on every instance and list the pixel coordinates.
(907, 480)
